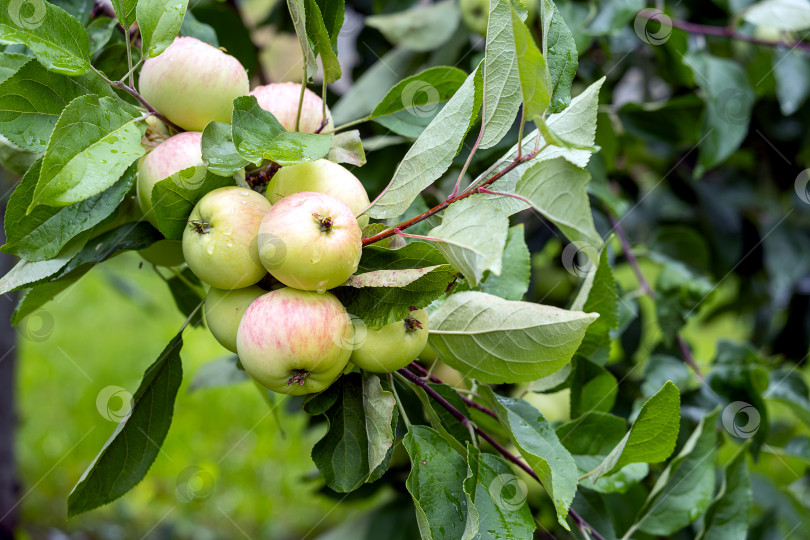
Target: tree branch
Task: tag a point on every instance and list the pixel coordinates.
(419, 381)
(721, 31)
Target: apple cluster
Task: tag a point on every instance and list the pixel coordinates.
(269, 259)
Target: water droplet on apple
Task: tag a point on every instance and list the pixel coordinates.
(210, 248)
(229, 242)
(320, 288)
(316, 256)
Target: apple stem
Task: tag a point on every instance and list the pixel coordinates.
(326, 223)
(299, 377)
(412, 324)
(412, 377)
(199, 227)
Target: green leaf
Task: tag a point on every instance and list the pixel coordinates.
(380, 410)
(557, 190)
(729, 100)
(174, 198)
(560, 52)
(432, 153)
(187, 291)
(33, 98)
(257, 136)
(618, 482)
(498, 341)
(34, 298)
(128, 454)
(789, 389)
(448, 422)
(472, 236)
(25, 273)
(593, 388)
(79, 9)
(727, 515)
(513, 282)
(159, 22)
(502, 76)
(192, 27)
(391, 281)
(791, 69)
(539, 447)
(125, 11)
(593, 434)
(10, 63)
(443, 510)
(599, 294)
(789, 15)
(422, 28)
(347, 147)
(218, 373)
(652, 436)
(679, 292)
(298, 14)
(100, 31)
(93, 143)
(323, 38)
(127, 237)
(219, 152)
(59, 41)
(532, 69)
(684, 490)
(500, 498)
(46, 230)
(576, 124)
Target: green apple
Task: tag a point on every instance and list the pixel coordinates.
(164, 253)
(192, 83)
(282, 100)
(219, 243)
(321, 176)
(475, 13)
(394, 345)
(224, 310)
(295, 342)
(176, 153)
(310, 241)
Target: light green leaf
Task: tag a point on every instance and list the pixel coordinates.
(159, 22)
(539, 447)
(93, 143)
(599, 294)
(789, 15)
(10, 63)
(499, 341)
(59, 41)
(323, 39)
(532, 69)
(652, 436)
(557, 190)
(125, 11)
(347, 147)
(472, 236)
(684, 490)
(379, 407)
(298, 14)
(516, 268)
(433, 151)
(422, 28)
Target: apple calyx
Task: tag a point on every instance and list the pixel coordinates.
(199, 226)
(326, 223)
(299, 377)
(411, 324)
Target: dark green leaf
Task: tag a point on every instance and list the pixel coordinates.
(513, 282)
(219, 152)
(196, 29)
(593, 388)
(125, 11)
(187, 292)
(727, 515)
(560, 51)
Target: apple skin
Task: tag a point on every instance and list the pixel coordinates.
(392, 346)
(475, 13)
(176, 153)
(320, 176)
(295, 342)
(281, 99)
(219, 243)
(164, 253)
(224, 310)
(300, 251)
(193, 83)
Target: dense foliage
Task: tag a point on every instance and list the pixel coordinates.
(603, 207)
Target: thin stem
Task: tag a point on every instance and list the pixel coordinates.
(441, 206)
(191, 316)
(128, 42)
(520, 131)
(406, 235)
(416, 379)
(467, 163)
(721, 31)
(185, 280)
(132, 70)
(346, 125)
(324, 120)
(402, 412)
(504, 194)
(301, 99)
(649, 291)
(465, 399)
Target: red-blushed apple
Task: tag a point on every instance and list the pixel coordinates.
(219, 242)
(295, 342)
(224, 310)
(282, 99)
(192, 83)
(320, 176)
(173, 155)
(394, 345)
(310, 241)
(164, 253)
